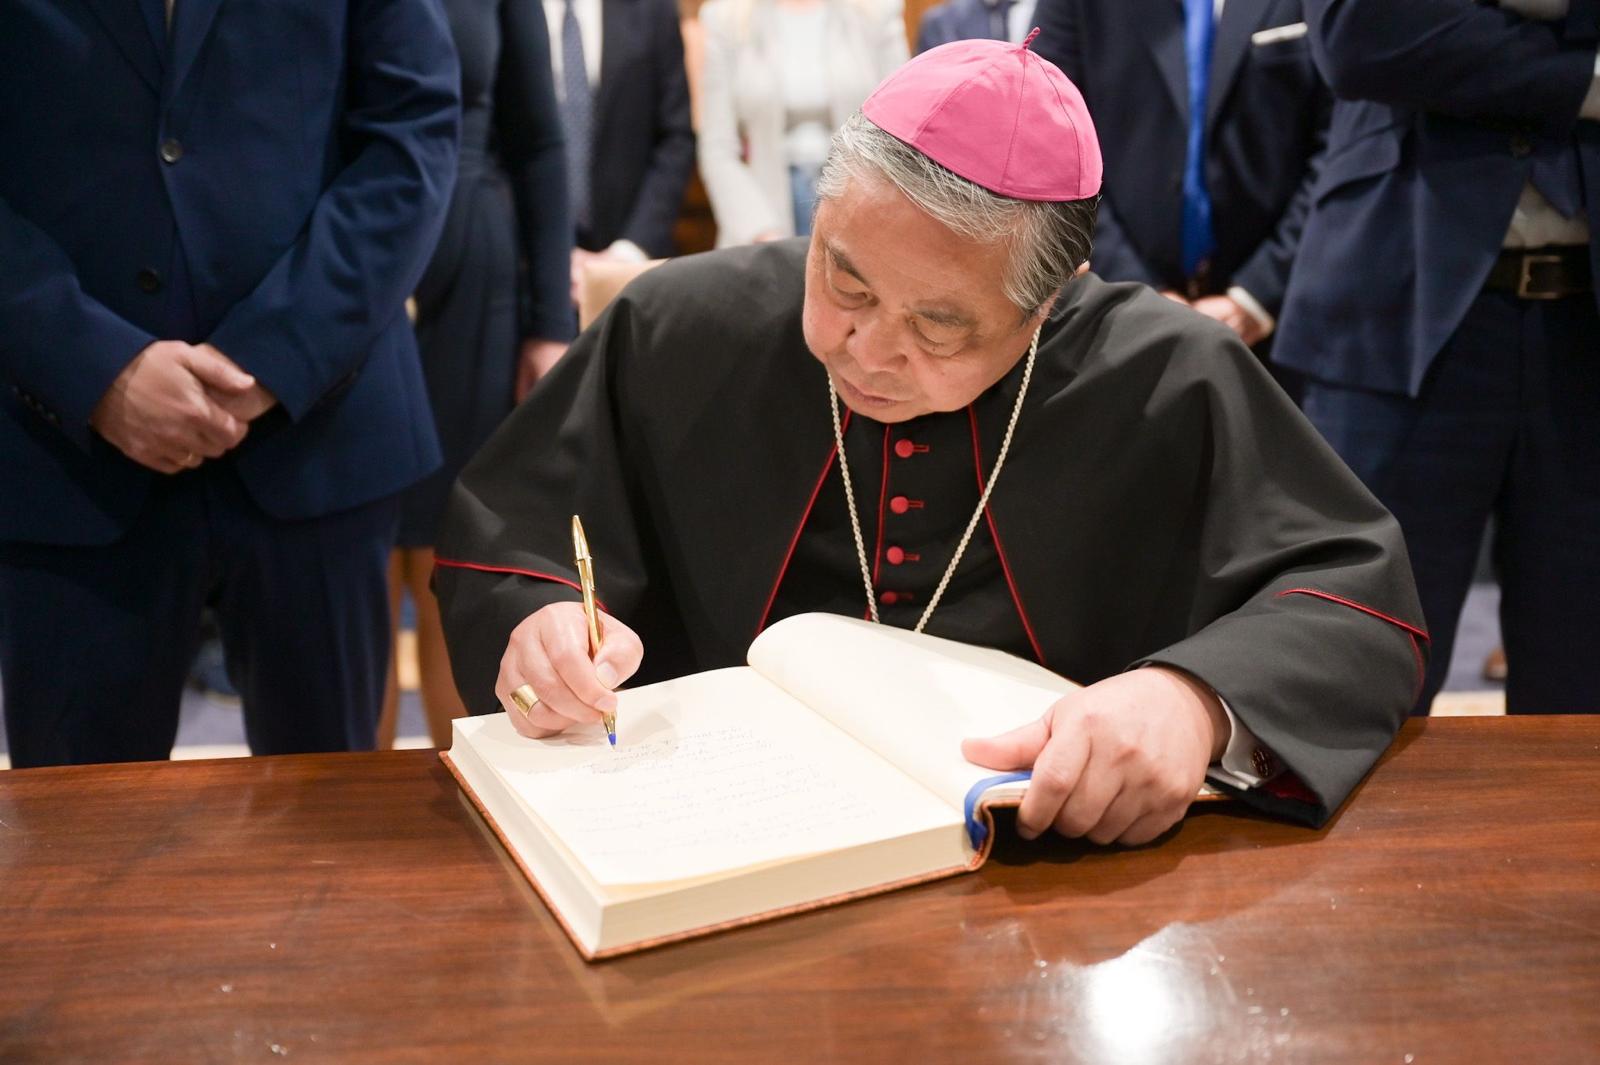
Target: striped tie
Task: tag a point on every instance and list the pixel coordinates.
(577, 115)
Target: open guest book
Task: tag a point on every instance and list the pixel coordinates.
(828, 768)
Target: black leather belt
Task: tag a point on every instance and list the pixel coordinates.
(1549, 273)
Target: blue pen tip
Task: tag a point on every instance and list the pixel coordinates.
(612, 737)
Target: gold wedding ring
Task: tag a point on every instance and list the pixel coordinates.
(525, 699)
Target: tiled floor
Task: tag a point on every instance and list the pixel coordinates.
(1466, 693)
(209, 729)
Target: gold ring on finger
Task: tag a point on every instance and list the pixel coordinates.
(525, 699)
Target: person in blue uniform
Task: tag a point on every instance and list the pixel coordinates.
(1444, 312)
(210, 219)
(1205, 201)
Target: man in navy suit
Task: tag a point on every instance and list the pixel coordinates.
(624, 97)
(1444, 310)
(969, 20)
(210, 217)
(1206, 202)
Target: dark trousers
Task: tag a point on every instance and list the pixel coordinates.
(1508, 424)
(95, 642)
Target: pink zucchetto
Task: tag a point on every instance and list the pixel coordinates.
(998, 115)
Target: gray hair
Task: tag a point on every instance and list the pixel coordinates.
(1049, 240)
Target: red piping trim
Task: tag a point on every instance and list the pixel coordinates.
(883, 493)
(1352, 604)
(1422, 670)
(535, 574)
(994, 533)
(1412, 632)
(794, 541)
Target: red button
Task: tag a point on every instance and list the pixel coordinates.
(899, 504)
(895, 556)
(904, 448)
(890, 598)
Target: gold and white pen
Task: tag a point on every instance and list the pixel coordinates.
(580, 551)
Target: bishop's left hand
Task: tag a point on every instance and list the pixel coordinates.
(1118, 761)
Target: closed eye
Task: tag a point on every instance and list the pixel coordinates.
(939, 338)
(848, 297)
(844, 286)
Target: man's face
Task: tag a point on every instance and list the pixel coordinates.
(908, 317)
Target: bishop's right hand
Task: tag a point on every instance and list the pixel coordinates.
(549, 652)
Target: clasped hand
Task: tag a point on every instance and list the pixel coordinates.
(1118, 761)
(176, 405)
(1227, 311)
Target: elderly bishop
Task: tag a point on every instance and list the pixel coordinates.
(928, 414)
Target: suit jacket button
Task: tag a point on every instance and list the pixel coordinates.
(1521, 146)
(148, 280)
(171, 150)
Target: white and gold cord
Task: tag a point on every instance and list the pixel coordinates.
(977, 515)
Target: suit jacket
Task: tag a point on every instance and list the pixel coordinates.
(954, 20)
(643, 147)
(742, 120)
(1442, 105)
(271, 181)
(1266, 120)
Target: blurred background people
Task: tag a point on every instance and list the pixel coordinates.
(965, 20)
(1443, 310)
(214, 394)
(482, 346)
(780, 76)
(1220, 121)
(624, 98)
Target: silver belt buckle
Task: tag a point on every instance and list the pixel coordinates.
(1525, 278)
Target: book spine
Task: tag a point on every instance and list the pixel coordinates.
(980, 826)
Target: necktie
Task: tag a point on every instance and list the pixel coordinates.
(1198, 239)
(998, 14)
(577, 114)
(1555, 174)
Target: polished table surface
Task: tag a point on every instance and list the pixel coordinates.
(353, 908)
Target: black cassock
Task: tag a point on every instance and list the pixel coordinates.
(1163, 502)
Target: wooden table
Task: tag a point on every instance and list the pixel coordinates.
(352, 908)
